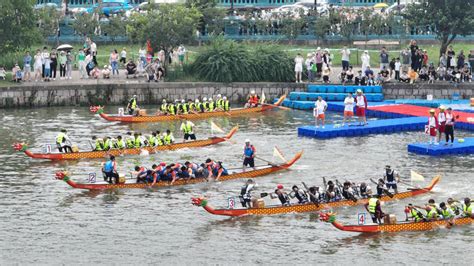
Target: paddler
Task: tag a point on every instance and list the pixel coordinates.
(332, 192)
(107, 143)
(171, 109)
(119, 143)
(373, 206)
(219, 171)
(253, 100)
(441, 122)
(432, 127)
(380, 187)
(197, 106)
(152, 140)
(431, 211)
(446, 212)
(415, 214)
(361, 107)
(164, 107)
(364, 190)
(205, 105)
(192, 169)
(211, 105)
(315, 194)
(140, 173)
(299, 194)
(391, 177)
(249, 155)
(246, 198)
(110, 170)
(188, 130)
(467, 208)
(132, 105)
(226, 105)
(219, 103)
(184, 107)
(63, 142)
(130, 140)
(98, 144)
(168, 138)
(320, 107)
(455, 206)
(348, 192)
(281, 195)
(159, 138)
(137, 141)
(209, 167)
(191, 106)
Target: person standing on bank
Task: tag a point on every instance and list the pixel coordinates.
(449, 128)
(249, 155)
(345, 56)
(391, 177)
(298, 68)
(188, 129)
(361, 106)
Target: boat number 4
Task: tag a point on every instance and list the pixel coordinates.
(92, 177)
(361, 218)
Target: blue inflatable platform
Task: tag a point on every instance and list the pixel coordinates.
(374, 127)
(458, 148)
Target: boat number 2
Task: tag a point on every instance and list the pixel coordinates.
(361, 219)
(92, 177)
(231, 202)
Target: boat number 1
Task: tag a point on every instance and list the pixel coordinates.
(231, 202)
(361, 219)
(92, 177)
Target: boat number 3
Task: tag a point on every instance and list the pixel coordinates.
(92, 177)
(361, 219)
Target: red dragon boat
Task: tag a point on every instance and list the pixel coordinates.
(22, 147)
(63, 175)
(193, 116)
(307, 207)
(397, 227)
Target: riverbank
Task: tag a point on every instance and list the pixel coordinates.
(112, 92)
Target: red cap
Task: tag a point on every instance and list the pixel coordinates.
(162, 164)
(280, 186)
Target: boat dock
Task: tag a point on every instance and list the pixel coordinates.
(466, 146)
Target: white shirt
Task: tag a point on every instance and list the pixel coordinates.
(319, 107)
(93, 47)
(397, 66)
(431, 121)
(345, 54)
(360, 101)
(349, 104)
(449, 119)
(299, 61)
(123, 54)
(441, 117)
(141, 53)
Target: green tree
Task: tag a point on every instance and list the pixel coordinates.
(322, 27)
(116, 26)
(17, 25)
(291, 27)
(48, 21)
(201, 4)
(447, 19)
(85, 24)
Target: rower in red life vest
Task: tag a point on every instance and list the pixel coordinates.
(432, 127)
(249, 155)
(253, 100)
(441, 122)
(281, 195)
(361, 106)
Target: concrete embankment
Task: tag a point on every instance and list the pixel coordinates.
(76, 94)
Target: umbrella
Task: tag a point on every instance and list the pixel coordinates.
(65, 47)
(381, 5)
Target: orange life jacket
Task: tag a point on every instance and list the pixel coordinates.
(253, 99)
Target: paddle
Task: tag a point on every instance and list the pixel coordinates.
(270, 163)
(277, 106)
(341, 187)
(384, 189)
(411, 187)
(311, 194)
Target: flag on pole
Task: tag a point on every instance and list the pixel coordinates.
(277, 153)
(216, 128)
(415, 176)
(262, 100)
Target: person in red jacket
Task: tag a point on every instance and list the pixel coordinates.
(431, 127)
(253, 100)
(361, 106)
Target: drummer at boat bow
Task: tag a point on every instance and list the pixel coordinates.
(246, 198)
(63, 142)
(391, 177)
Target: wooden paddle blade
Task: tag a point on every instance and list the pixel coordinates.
(388, 193)
(263, 194)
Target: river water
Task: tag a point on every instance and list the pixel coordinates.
(44, 221)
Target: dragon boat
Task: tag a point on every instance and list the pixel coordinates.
(63, 175)
(307, 207)
(397, 227)
(192, 116)
(22, 147)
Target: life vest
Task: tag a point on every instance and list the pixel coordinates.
(390, 175)
(284, 199)
(302, 198)
(159, 141)
(133, 103)
(164, 107)
(167, 139)
(363, 191)
(249, 151)
(191, 107)
(61, 138)
(226, 105)
(107, 144)
(467, 209)
(220, 103)
(99, 145)
(432, 214)
(253, 99)
(188, 128)
(216, 170)
(179, 107)
(211, 106)
(137, 142)
(244, 193)
(198, 107)
(120, 144)
(205, 106)
(152, 140)
(373, 205)
(446, 213)
(130, 142)
(109, 166)
(171, 109)
(417, 216)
